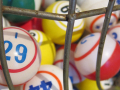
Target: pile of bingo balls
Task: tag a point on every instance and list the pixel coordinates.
(34, 47)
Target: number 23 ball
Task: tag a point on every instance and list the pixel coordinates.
(86, 57)
(56, 30)
(22, 55)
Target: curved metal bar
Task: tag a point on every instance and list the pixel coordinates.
(102, 40)
(2, 53)
(69, 31)
(33, 13)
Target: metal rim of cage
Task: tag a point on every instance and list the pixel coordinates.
(70, 17)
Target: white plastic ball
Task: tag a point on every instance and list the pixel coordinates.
(95, 23)
(86, 57)
(22, 55)
(49, 77)
(74, 74)
(114, 32)
(5, 22)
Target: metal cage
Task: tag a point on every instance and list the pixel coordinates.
(70, 18)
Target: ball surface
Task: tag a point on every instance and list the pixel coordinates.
(114, 32)
(95, 23)
(86, 57)
(22, 55)
(46, 3)
(74, 74)
(56, 30)
(88, 84)
(49, 77)
(47, 47)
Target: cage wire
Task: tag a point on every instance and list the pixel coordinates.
(70, 18)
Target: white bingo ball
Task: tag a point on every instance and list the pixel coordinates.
(49, 77)
(114, 32)
(74, 74)
(79, 2)
(22, 55)
(87, 2)
(107, 84)
(5, 22)
(37, 4)
(86, 57)
(95, 23)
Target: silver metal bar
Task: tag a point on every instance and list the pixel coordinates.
(102, 40)
(2, 53)
(34, 13)
(70, 25)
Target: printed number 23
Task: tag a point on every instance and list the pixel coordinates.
(23, 54)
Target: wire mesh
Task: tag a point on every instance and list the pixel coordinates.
(70, 17)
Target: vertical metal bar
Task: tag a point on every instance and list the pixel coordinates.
(102, 40)
(71, 18)
(2, 53)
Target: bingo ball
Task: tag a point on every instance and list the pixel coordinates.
(95, 23)
(114, 32)
(47, 47)
(86, 57)
(79, 2)
(49, 77)
(46, 3)
(88, 84)
(74, 74)
(25, 4)
(56, 30)
(22, 55)
(5, 23)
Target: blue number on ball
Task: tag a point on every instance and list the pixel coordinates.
(8, 49)
(71, 78)
(44, 85)
(115, 36)
(34, 88)
(84, 40)
(23, 54)
(118, 1)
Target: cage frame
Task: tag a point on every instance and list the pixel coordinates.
(70, 18)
